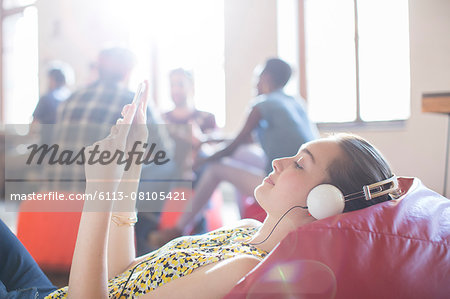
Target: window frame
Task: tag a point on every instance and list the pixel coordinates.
(358, 123)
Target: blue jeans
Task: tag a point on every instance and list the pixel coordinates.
(20, 276)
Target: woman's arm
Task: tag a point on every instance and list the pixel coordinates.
(251, 123)
(121, 248)
(121, 243)
(89, 271)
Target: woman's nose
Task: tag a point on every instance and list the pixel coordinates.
(277, 165)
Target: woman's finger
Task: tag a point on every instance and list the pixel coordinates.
(125, 109)
(92, 146)
(141, 117)
(125, 124)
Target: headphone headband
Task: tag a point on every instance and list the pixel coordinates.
(327, 200)
(374, 190)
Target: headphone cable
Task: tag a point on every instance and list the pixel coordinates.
(285, 213)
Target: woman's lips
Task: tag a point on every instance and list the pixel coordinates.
(269, 180)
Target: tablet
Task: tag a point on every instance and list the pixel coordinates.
(138, 97)
(139, 94)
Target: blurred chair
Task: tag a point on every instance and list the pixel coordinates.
(49, 233)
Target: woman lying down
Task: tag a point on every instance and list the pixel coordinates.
(208, 266)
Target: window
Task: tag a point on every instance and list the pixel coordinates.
(177, 33)
(357, 60)
(163, 34)
(19, 61)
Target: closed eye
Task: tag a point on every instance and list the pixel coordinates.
(297, 165)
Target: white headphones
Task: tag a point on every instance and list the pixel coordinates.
(327, 200)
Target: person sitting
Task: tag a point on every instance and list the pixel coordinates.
(46, 108)
(104, 263)
(192, 127)
(84, 117)
(190, 130)
(281, 125)
(182, 93)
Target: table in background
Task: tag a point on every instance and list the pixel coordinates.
(439, 103)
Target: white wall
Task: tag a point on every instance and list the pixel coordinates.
(250, 38)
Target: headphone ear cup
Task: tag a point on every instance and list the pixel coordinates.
(324, 201)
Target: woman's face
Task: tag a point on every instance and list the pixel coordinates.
(293, 177)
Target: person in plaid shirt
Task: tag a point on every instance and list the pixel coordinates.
(89, 113)
(87, 117)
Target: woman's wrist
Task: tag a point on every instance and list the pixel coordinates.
(94, 197)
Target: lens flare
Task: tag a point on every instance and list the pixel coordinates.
(295, 279)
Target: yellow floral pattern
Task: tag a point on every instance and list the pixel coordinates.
(176, 259)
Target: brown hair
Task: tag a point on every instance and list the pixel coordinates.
(362, 164)
(115, 63)
(279, 71)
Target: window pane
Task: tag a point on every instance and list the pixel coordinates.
(384, 59)
(287, 39)
(192, 38)
(330, 60)
(20, 56)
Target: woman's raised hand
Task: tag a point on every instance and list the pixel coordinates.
(111, 151)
